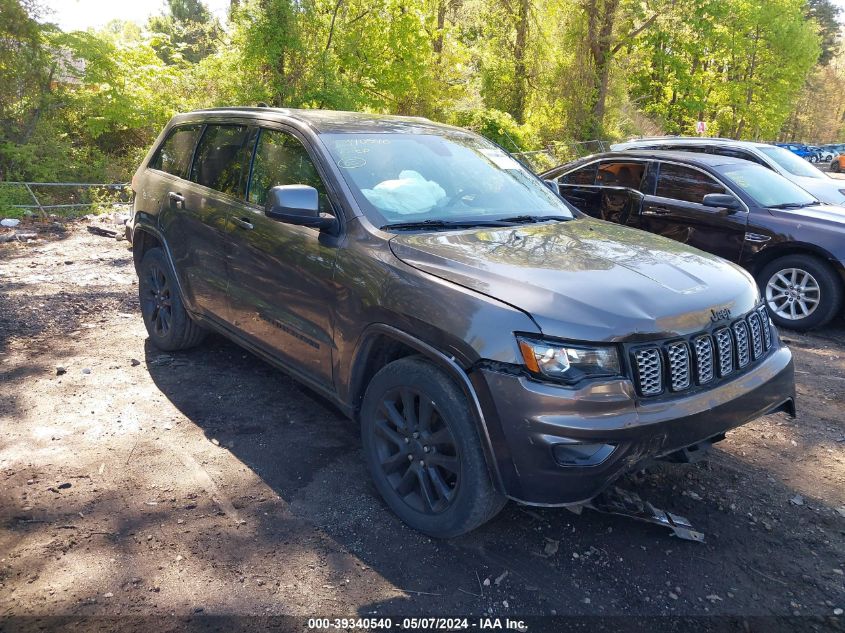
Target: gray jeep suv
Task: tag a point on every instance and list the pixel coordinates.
(492, 342)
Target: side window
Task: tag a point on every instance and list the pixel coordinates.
(222, 158)
(683, 183)
(584, 176)
(174, 155)
(621, 174)
(281, 159)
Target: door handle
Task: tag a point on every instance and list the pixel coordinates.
(243, 223)
(177, 198)
(656, 212)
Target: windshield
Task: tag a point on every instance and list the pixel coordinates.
(765, 187)
(445, 179)
(791, 163)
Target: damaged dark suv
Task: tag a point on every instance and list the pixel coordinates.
(493, 342)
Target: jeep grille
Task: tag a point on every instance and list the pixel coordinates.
(682, 364)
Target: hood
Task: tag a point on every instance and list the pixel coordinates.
(825, 189)
(828, 216)
(586, 279)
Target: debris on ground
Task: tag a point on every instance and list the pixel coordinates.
(312, 516)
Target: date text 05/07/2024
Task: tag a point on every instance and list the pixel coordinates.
(418, 624)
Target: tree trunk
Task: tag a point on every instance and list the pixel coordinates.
(520, 66)
(601, 16)
(437, 45)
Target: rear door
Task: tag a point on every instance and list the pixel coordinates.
(675, 210)
(281, 274)
(181, 218)
(200, 213)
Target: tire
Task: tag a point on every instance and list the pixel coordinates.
(785, 276)
(453, 470)
(834, 166)
(168, 324)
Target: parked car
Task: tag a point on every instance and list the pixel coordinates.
(775, 158)
(793, 245)
(828, 152)
(837, 165)
(492, 342)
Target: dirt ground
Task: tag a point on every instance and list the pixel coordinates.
(140, 482)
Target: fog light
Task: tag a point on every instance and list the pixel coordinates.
(573, 454)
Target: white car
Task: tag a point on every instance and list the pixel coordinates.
(778, 159)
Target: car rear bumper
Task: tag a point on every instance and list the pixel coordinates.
(538, 431)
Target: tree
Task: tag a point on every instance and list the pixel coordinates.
(187, 31)
(826, 15)
(737, 64)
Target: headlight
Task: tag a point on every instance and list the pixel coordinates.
(569, 363)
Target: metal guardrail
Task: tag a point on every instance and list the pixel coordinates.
(30, 186)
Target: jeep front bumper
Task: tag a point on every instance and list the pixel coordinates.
(554, 445)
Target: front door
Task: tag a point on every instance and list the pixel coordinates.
(281, 286)
(675, 210)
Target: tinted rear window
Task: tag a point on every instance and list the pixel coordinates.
(174, 155)
(223, 157)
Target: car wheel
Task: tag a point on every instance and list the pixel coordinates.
(834, 166)
(167, 322)
(801, 291)
(423, 450)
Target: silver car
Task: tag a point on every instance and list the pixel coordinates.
(778, 159)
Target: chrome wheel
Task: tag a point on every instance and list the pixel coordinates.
(792, 294)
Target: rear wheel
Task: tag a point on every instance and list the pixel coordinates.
(834, 165)
(423, 450)
(167, 322)
(801, 291)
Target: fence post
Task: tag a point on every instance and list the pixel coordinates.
(35, 199)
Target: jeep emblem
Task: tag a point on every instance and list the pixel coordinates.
(718, 315)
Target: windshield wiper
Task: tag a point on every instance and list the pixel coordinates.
(443, 224)
(791, 205)
(528, 219)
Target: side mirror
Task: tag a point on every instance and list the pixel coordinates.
(296, 204)
(551, 184)
(721, 201)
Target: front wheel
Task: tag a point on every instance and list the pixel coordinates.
(801, 291)
(834, 166)
(423, 450)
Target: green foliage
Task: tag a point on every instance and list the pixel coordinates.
(736, 64)
(527, 74)
(186, 32)
(500, 127)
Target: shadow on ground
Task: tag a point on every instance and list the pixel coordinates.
(528, 560)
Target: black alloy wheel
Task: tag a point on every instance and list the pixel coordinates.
(157, 302)
(168, 323)
(417, 453)
(423, 449)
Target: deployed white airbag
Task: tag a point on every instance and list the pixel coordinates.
(408, 194)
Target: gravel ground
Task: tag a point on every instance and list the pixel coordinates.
(135, 482)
